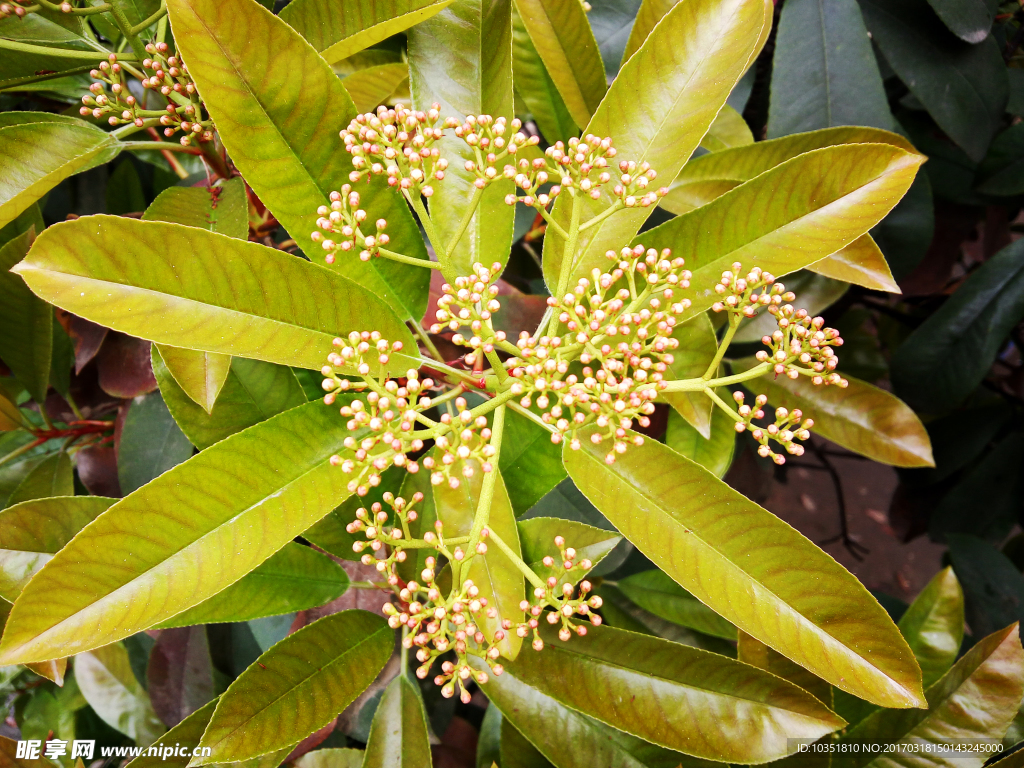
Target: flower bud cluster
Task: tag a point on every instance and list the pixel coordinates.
(385, 531)
(486, 135)
(740, 295)
(467, 445)
(399, 143)
(803, 345)
(584, 165)
(624, 340)
(15, 8)
(120, 105)
(788, 427)
(341, 220)
(469, 304)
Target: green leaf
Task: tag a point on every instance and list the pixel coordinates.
(992, 584)
(493, 573)
(200, 375)
(462, 59)
(537, 539)
(833, 196)
(291, 157)
(223, 209)
(534, 88)
(398, 734)
(1000, 172)
(677, 697)
(714, 453)
(415, 562)
(298, 686)
(657, 593)
(294, 579)
(562, 36)
(530, 463)
(27, 341)
(729, 130)
(124, 189)
(372, 86)
(339, 28)
(228, 296)
(151, 443)
(752, 651)
(516, 751)
(253, 392)
(862, 418)
(38, 156)
(907, 232)
(697, 347)
(331, 758)
(137, 11)
(824, 72)
(10, 416)
(969, 20)
(106, 679)
(964, 87)
(948, 355)
(182, 538)
(751, 568)
(33, 531)
(659, 108)
(648, 15)
(488, 745)
(62, 359)
(50, 477)
(860, 263)
(976, 699)
(934, 625)
(30, 218)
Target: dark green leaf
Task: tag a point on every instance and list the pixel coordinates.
(398, 735)
(227, 296)
(298, 686)
(27, 341)
(1001, 171)
(295, 579)
(993, 587)
(934, 625)
(824, 72)
(151, 443)
(906, 233)
(50, 477)
(62, 359)
(718, 545)
(964, 87)
(530, 463)
(124, 190)
(948, 355)
(657, 593)
(970, 20)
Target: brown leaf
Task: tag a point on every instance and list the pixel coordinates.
(180, 673)
(311, 742)
(87, 336)
(124, 366)
(97, 468)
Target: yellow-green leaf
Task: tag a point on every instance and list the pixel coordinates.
(861, 417)
(657, 593)
(729, 130)
(10, 416)
(201, 375)
(223, 208)
(398, 733)
(298, 686)
(372, 86)
(182, 538)
(51, 477)
(562, 36)
(108, 683)
(648, 15)
(860, 263)
(934, 625)
(184, 287)
(752, 651)
(537, 539)
(535, 91)
(751, 568)
(713, 453)
(697, 348)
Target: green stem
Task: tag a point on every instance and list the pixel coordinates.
(9, 84)
(126, 29)
(496, 366)
(723, 405)
(696, 385)
(615, 208)
(128, 130)
(425, 221)
(160, 13)
(74, 406)
(425, 338)
(552, 224)
(420, 543)
(467, 217)
(526, 412)
(517, 561)
(103, 8)
(18, 452)
(568, 257)
(169, 146)
(59, 53)
(425, 263)
(734, 323)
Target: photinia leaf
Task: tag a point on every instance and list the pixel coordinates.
(729, 130)
(38, 156)
(948, 355)
(427, 516)
(493, 573)
(977, 699)
(860, 263)
(824, 72)
(294, 579)
(462, 59)
(648, 15)
(292, 158)
(537, 539)
(223, 208)
(816, 294)
(183, 538)
(657, 593)
(298, 686)
(200, 375)
(714, 453)
(151, 443)
(751, 568)
(339, 28)
(331, 758)
(861, 417)
(565, 42)
(1000, 172)
(372, 86)
(697, 347)
(253, 392)
(934, 625)
(833, 196)
(27, 341)
(534, 88)
(228, 296)
(752, 651)
(10, 416)
(398, 734)
(530, 463)
(33, 531)
(51, 477)
(106, 680)
(677, 697)
(515, 751)
(992, 584)
(180, 673)
(659, 108)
